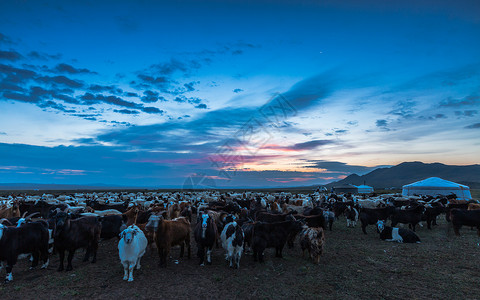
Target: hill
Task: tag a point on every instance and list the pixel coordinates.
(408, 172)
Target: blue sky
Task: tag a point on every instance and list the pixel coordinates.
(152, 93)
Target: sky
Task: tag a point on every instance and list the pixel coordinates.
(234, 93)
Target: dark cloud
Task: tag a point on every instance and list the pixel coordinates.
(15, 75)
(56, 106)
(341, 167)
(44, 56)
(112, 89)
(10, 55)
(5, 40)
(20, 97)
(403, 109)
(237, 91)
(65, 68)
(473, 126)
(131, 94)
(470, 100)
(90, 98)
(381, 123)
(201, 106)
(190, 86)
(126, 111)
(61, 80)
(152, 110)
(466, 113)
(151, 96)
(3, 133)
(311, 144)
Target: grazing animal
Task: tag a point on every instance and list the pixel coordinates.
(131, 248)
(10, 212)
(312, 239)
(460, 217)
(272, 235)
(112, 226)
(30, 238)
(329, 218)
(393, 234)
(232, 241)
(169, 233)
(205, 236)
(411, 216)
(473, 206)
(351, 214)
(370, 216)
(70, 235)
(431, 212)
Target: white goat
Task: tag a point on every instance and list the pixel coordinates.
(131, 248)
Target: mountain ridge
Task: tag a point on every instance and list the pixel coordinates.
(409, 172)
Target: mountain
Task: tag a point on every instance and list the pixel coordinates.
(408, 172)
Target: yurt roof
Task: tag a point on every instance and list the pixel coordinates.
(436, 182)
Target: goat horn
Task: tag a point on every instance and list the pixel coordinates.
(23, 216)
(31, 215)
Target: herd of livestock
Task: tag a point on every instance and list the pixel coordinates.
(38, 227)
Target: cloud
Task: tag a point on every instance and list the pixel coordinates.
(112, 89)
(44, 56)
(381, 123)
(126, 111)
(341, 167)
(403, 108)
(466, 113)
(61, 80)
(311, 144)
(5, 40)
(470, 100)
(65, 68)
(151, 96)
(3, 133)
(10, 55)
(237, 91)
(152, 110)
(473, 126)
(201, 106)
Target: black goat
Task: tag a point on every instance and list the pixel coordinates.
(31, 238)
(74, 234)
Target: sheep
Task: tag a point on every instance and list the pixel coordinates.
(131, 248)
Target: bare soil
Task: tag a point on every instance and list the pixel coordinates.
(354, 266)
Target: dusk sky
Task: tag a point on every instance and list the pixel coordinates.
(234, 93)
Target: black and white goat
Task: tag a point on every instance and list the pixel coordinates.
(394, 234)
(31, 238)
(232, 241)
(205, 236)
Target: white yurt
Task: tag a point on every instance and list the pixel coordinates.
(435, 186)
(364, 189)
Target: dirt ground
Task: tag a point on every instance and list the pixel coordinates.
(354, 266)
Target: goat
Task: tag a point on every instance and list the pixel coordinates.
(131, 248)
(169, 233)
(232, 241)
(73, 234)
(313, 240)
(31, 238)
(205, 236)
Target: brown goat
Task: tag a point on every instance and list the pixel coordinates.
(169, 233)
(10, 212)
